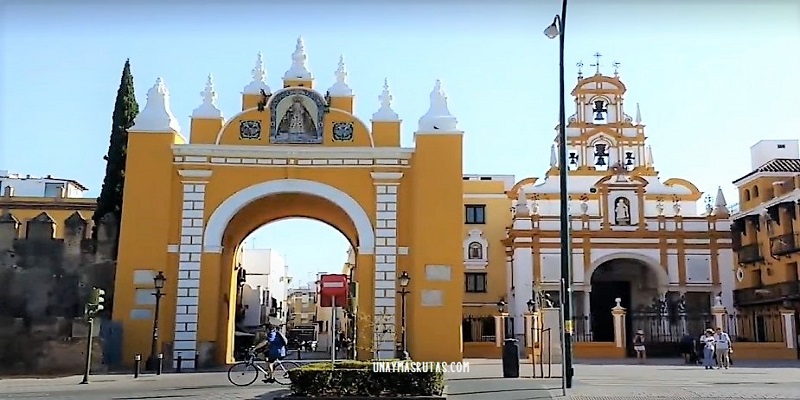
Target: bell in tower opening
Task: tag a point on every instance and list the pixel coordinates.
(601, 156)
(629, 160)
(600, 111)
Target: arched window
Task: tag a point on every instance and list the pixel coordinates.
(755, 191)
(747, 195)
(475, 251)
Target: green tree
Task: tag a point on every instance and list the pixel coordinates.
(125, 110)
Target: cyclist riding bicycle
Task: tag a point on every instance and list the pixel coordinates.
(275, 342)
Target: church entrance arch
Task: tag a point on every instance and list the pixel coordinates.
(635, 279)
(258, 205)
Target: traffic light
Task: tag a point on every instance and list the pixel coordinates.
(96, 300)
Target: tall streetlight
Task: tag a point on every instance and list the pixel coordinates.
(556, 29)
(158, 282)
(403, 281)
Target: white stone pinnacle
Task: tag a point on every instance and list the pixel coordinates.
(208, 108)
(438, 117)
(299, 69)
(553, 156)
(649, 156)
(638, 119)
(259, 78)
(385, 113)
(156, 115)
(522, 208)
(720, 202)
(340, 88)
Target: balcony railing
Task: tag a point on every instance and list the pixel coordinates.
(767, 294)
(784, 244)
(749, 254)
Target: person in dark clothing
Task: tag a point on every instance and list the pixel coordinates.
(688, 349)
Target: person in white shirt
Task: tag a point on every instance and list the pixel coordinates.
(724, 348)
(709, 345)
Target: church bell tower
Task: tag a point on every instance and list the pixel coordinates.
(601, 136)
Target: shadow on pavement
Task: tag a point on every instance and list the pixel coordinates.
(272, 395)
(499, 389)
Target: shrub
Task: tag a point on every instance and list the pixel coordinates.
(357, 378)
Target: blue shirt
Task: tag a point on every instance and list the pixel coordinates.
(277, 347)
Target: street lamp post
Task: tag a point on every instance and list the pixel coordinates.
(403, 281)
(152, 361)
(556, 29)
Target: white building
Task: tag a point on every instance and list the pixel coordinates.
(635, 236)
(266, 286)
(31, 186)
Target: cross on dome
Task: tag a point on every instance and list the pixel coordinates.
(259, 78)
(597, 63)
(299, 69)
(385, 113)
(156, 116)
(438, 117)
(340, 88)
(208, 109)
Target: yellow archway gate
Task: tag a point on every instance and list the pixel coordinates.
(290, 153)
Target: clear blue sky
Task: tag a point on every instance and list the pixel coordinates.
(712, 76)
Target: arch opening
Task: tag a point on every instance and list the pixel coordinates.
(269, 204)
(636, 282)
(276, 267)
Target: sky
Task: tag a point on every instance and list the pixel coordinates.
(712, 77)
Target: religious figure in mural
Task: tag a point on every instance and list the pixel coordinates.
(622, 212)
(297, 123)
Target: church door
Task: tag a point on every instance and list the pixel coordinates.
(601, 302)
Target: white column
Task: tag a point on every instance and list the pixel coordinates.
(188, 283)
(523, 277)
(789, 328)
(386, 185)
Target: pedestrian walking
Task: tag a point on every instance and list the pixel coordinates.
(723, 348)
(708, 348)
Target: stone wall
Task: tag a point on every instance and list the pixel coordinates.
(44, 284)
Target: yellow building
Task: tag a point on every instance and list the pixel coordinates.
(294, 152)
(766, 239)
(52, 204)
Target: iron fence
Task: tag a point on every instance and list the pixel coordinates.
(663, 332)
(756, 327)
(583, 328)
(543, 364)
(478, 329)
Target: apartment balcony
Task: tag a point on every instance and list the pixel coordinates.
(784, 244)
(750, 254)
(775, 293)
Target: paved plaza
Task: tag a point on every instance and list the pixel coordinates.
(594, 380)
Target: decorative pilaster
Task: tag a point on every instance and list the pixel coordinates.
(188, 282)
(386, 185)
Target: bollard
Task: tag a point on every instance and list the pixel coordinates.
(298, 353)
(137, 365)
(160, 363)
(178, 363)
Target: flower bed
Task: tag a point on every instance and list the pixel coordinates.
(356, 379)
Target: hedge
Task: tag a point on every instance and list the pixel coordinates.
(357, 378)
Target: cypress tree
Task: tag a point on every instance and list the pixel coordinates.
(125, 110)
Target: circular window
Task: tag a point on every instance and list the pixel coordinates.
(739, 274)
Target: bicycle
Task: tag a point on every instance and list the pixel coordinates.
(248, 371)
